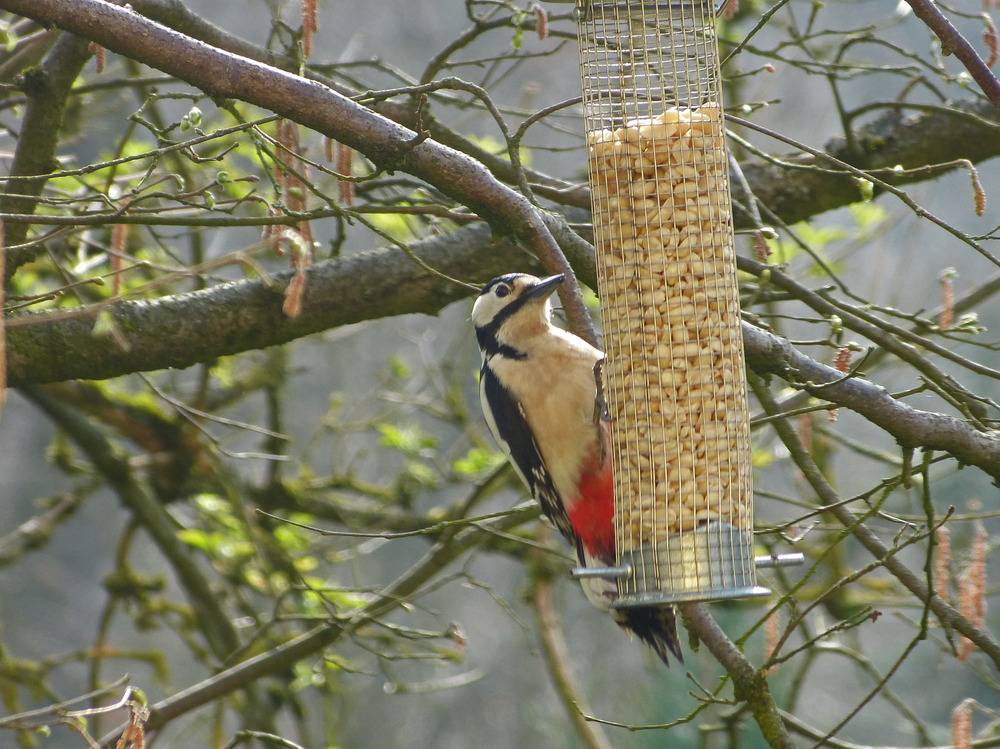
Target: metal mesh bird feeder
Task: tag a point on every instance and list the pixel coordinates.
(674, 370)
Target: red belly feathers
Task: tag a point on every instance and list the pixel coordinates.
(592, 512)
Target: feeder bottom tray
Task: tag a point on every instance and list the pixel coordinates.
(712, 562)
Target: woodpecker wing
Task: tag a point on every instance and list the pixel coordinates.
(506, 420)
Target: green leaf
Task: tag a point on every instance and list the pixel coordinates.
(399, 368)
(422, 472)
(478, 460)
(517, 38)
(762, 458)
(408, 439)
(8, 37)
(867, 216)
(199, 539)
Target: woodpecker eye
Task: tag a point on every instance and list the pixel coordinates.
(502, 291)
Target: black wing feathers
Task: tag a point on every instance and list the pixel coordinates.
(513, 430)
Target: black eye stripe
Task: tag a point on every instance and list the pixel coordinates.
(507, 280)
(502, 290)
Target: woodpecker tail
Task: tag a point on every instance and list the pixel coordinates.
(654, 625)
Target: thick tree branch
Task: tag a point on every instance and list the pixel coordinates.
(245, 315)
(905, 345)
(219, 73)
(390, 145)
(967, 130)
(387, 144)
(913, 428)
(183, 330)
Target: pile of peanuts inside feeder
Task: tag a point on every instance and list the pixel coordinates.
(670, 309)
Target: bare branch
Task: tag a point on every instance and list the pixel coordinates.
(831, 500)
(769, 354)
(952, 42)
(749, 683)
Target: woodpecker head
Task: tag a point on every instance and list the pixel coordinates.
(512, 307)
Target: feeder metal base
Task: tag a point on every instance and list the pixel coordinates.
(709, 563)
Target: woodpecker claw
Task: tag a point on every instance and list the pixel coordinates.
(600, 403)
(600, 408)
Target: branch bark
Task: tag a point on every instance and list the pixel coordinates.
(749, 683)
(183, 330)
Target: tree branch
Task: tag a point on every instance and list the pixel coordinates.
(904, 345)
(244, 315)
(46, 89)
(558, 660)
(749, 683)
(556, 652)
(453, 542)
(387, 144)
(952, 42)
(769, 354)
(932, 135)
(183, 330)
(139, 499)
(37, 531)
(833, 503)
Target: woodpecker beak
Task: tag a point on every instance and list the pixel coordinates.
(544, 288)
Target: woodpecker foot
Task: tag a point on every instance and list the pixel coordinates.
(600, 403)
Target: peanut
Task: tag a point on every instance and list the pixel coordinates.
(675, 377)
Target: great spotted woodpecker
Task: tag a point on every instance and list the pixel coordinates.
(539, 394)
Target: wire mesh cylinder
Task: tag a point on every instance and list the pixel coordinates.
(675, 380)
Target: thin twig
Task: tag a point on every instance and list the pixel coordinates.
(749, 682)
(559, 665)
(952, 42)
(828, 497)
